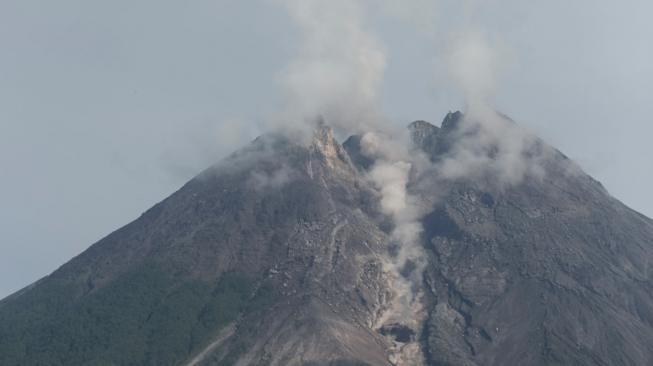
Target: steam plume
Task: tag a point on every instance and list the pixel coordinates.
(337, 74)
(391, 174)
(338, 70)
(488, 142)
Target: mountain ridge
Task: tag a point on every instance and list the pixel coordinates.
(283, 254)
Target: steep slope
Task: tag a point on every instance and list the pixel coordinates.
(549, 271)
(282, 255)
(274, 243)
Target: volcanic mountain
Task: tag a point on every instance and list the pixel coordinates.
(282, 254)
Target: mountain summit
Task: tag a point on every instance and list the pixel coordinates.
(286, 253)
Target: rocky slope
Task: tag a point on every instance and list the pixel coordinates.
(282, 254)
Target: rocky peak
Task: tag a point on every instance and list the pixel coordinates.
(422, 126)
(421, 132)
(434, 140)
(323, 139)
(327, 148)
(452, 121)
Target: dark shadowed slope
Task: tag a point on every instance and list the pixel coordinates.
(277, 256)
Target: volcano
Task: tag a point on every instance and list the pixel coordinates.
(279, 255)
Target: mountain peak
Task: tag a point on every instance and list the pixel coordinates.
(421, 132)
(323, 135)
(325, 146)
(421, 125)
(283, 256)
(452, 120)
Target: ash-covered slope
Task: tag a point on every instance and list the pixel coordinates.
(548, 271)
(270, 257)
(282, 255)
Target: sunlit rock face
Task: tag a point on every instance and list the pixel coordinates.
(283, 254)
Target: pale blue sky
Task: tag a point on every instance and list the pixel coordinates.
(106, 107)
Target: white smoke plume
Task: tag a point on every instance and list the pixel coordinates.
(491, 144)
(272, 178)
(339, 67)
(474, 64)
(488, 142)
(337, 75)
(338, 70)
(391, 174)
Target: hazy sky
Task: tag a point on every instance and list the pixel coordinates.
(107, 107)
